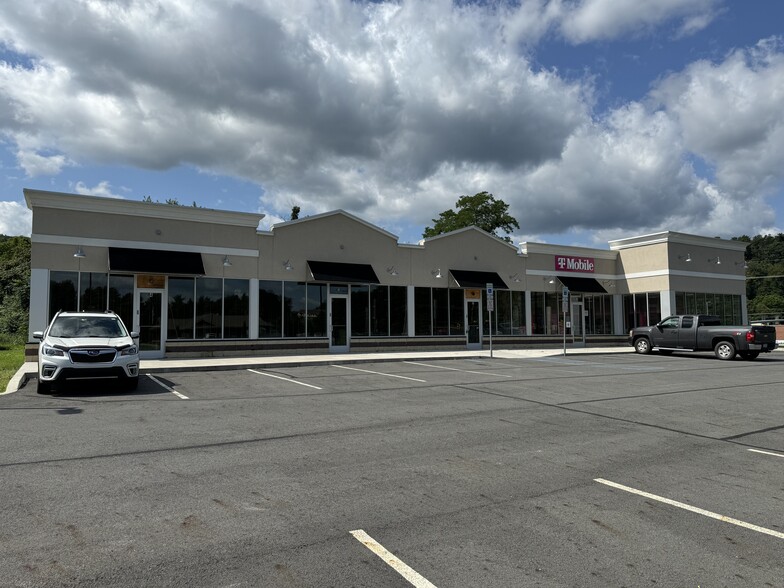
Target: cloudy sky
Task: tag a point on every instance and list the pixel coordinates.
(592, 119)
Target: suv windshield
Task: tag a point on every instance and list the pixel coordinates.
(87, 326)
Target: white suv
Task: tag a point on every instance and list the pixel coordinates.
(79, 345)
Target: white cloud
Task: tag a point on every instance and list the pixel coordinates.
(102, 189)
(392, 110)
(15, 219)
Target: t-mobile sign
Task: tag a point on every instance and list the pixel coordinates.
(574, 264)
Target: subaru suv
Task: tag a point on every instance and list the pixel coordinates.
(82, 345)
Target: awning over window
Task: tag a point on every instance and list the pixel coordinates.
(356, 273)
(469, 279)
(153, 261)
(589, 285)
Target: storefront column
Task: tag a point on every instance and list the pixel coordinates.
(667, 303)
(528, 314)
(39, 301)
(411, 309)
(253, 316)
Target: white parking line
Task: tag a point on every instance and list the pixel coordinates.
(378, 373)
(396, 564)
(285, 379)
(694, 509)
(766, 452)
(162, 385)
(440, 367)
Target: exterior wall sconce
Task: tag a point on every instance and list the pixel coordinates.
(550, 279)
(686, 258)
(715, 260)
(287, 265)
(515, 278)
(436, 273)
(744, 263)
(80, 253)
(392, 271)
(226, 261)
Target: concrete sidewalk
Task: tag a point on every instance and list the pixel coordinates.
(29, 369)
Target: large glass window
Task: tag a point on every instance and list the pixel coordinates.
(398, 311)
(379, 311)
(422, 318)
(440, 311)
(294, 309)
(726, 306)
(270, 308)
(181, 308)
(62, 291)
(518, 313)
(503, 312)
(92, 292)
(317, 310)
(360, 305)
(209, 294)
(456, 312)
(236, 309)
(546, 313)
(121, 298)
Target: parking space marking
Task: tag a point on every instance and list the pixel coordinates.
(766, 452)
(345, 367)
(285, 379)
(693, 509)
(172, 390)
(440, 367)
(414, 578)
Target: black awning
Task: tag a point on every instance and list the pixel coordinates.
(155, 261)
(470, 279)
(582, 285)
(356, 273)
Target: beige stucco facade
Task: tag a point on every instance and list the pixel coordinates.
(607, 287)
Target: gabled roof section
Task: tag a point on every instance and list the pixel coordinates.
(468, 229)
(338, 212)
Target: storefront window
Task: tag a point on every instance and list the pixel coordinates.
(294, 309)
(546, 313)
(456, 312)
(360, 304)
(236, 309)
(422, 319)
(121, 298)
(398, 311)
(440, 311)
(92, 292)
(503, 312)
(518, 313)
(62, 291)
(270, 308)
(379, 311)
(209, 294)
(181, 308)
(317, 310)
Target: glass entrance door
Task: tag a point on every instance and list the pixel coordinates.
(338, 324)
(149, 317)
(473, 323)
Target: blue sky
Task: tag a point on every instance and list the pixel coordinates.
(592, 119)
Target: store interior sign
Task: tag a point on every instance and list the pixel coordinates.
(567, 263)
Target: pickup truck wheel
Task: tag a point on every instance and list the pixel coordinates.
(642, 346)
(724, 350)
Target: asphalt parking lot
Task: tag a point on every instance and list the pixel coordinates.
(592, 470)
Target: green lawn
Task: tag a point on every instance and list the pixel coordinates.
(11, 359)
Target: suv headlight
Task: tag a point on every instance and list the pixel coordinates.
(53, 351)
(132, 350)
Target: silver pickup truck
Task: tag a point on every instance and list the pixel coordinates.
(700, 332)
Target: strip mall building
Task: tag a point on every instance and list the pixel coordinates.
(195, 281)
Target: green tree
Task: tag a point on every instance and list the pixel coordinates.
(294, 212)
(481, 210)
(14, 287)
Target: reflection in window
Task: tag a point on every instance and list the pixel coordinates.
(379, 311)
(92, 294)
(456, 312)
(209, 293)
(121, 298)
(62, 291)
(236, 308)
(440, 311)
(181, 308)
(360, 321)
(317, 310)
(398, 311)
(270, 308)
(294, 309)
(422, 324)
